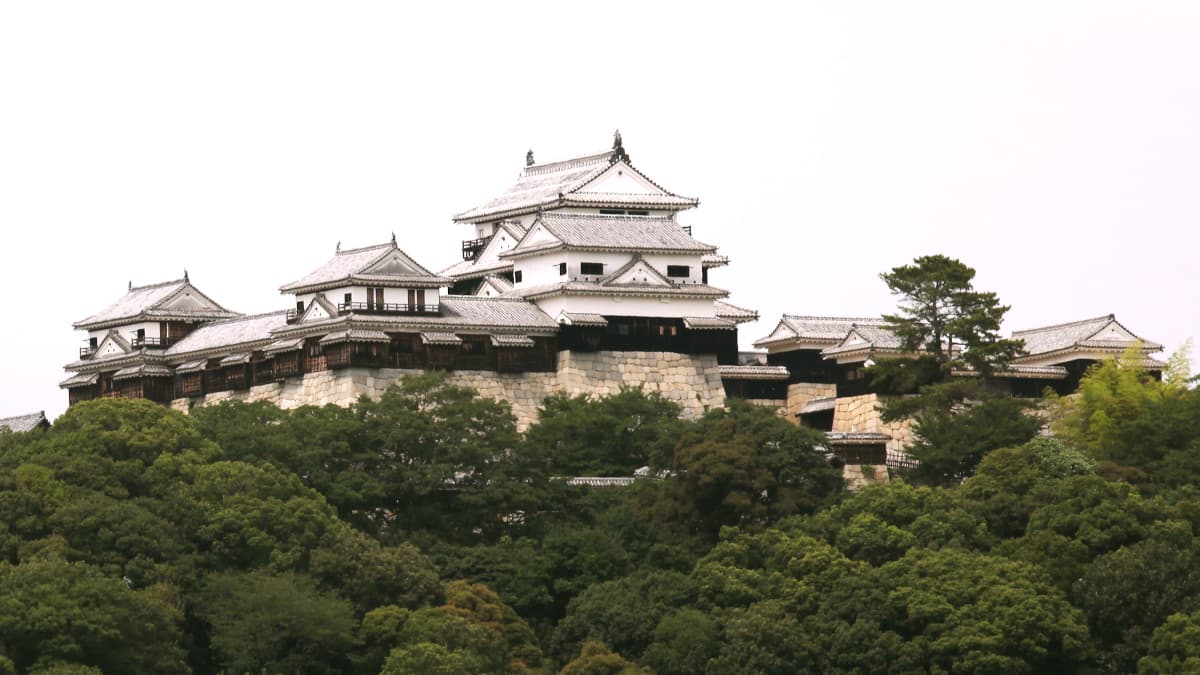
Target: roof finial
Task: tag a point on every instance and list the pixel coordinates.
(618, 147)
(529, 158)
(393, 237)
(339, 246)
(130, 285)
(185, 276)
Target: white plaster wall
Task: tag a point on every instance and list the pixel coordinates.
(627, 306)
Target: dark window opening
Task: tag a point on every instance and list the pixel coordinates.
(348, 298)
(562, 268)
(299, 306)
(612, 212)
(517, 276)
(591, 268)
(638, 212)
(92, 342)
(679, 271)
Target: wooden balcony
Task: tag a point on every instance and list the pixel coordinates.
(151, 342)
(471, 248)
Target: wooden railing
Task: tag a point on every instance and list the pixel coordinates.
(386, 308)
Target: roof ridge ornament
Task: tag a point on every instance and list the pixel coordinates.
(185, 275)
(529, 157)
(393, 237)
(338, 248)
(619, 147)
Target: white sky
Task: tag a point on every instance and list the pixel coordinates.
(1053, 146)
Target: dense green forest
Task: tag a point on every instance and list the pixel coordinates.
(421, 533)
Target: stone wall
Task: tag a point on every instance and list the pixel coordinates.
(694, 382)
(861, 414)
(799, 394)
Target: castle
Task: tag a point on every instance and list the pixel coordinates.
(580, 278)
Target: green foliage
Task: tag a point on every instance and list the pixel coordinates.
(1174, 647)
(950, 441)
(1010, 483)
(596, 659)
(742, 466)
(275, 622)
(54, 613)
(683, 643)
(1122, 415)
(603, 436)
(623, 612)
(942, 315)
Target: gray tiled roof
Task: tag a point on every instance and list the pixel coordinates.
(708, 323)
(351, 266)
(23, 423)
(754, 373)
(80, 380)
(145, 302)
(582, 319)
(512, 341)
(467, 269)
(553, 184)
(728, 310)
(865, 337)
(827, 329)
(142, 370)
(619, 233)
(1077, 334)
(228, 333)
(493, 313)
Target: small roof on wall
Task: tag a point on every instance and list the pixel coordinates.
(815, 332)
(24, 423)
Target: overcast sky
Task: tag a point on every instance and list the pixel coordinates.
(1053, 146)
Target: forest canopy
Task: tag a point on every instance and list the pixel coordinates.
(422, 533)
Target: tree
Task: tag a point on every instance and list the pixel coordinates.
(945, 325)
(941, 315)
(54, 613)
(595, 658)
(277, 623)
(744, 466)
(603, 436)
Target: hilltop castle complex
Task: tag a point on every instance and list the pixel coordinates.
(581, 278)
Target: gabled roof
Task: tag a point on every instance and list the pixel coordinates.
(565, 183)
(382, 265)
(815, 330)
(648, 234)
(169, 300)
(496, 286)
(864, 339)
(219, 335)
(1102, 333)
(636, 272)
(23, 423)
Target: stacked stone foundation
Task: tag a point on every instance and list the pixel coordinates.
(693, 382)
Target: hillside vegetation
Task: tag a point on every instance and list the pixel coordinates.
(421, 533)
